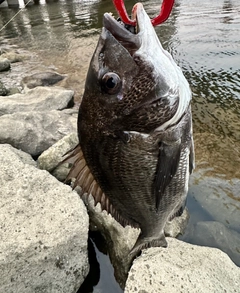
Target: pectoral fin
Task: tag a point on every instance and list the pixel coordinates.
(168, 161)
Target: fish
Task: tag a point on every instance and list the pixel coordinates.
(136, 149)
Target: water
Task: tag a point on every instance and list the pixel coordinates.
(202, 36)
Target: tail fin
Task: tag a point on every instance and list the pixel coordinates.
(147, 242)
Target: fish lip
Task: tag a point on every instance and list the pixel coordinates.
(127, 39)
(115, 27)
(132, 42)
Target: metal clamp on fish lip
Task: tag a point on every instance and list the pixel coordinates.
(165, 11)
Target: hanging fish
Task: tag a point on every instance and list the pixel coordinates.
(135, 149)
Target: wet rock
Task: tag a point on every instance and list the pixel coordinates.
(3, 90)
(13, 91)
(37, 99)
(4, 64)
(51, 158)
(219, 197)
(44, 229)
(183, 267)
(34, 132)
(42, 79)
(13, 56)
(215, 234)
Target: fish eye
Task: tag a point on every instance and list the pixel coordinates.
(111, 83)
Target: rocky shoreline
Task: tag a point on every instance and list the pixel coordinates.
(45, 224)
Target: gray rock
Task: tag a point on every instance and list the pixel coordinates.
(13, 56)
(4, 64)
(20, 155)
(13, 91)
(219, 197)
(44, 230)
(183, 268)
(3, 89)
(34, 132)
(37, 99)
(51, 158)
(215, 234)
(41, 79)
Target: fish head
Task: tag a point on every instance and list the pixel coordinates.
(132, 82)
(111, 70)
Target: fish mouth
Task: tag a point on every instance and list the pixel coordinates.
(141, 41)
(130, 37)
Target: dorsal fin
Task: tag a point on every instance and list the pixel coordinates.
(85, 179)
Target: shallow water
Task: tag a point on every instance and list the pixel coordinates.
(202, 36)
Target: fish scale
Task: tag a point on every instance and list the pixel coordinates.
(122, 174)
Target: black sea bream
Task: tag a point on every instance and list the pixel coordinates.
(135, 149)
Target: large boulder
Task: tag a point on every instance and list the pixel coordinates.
(37, 99)
(35, 131)
(44, 229)
(183, 267)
